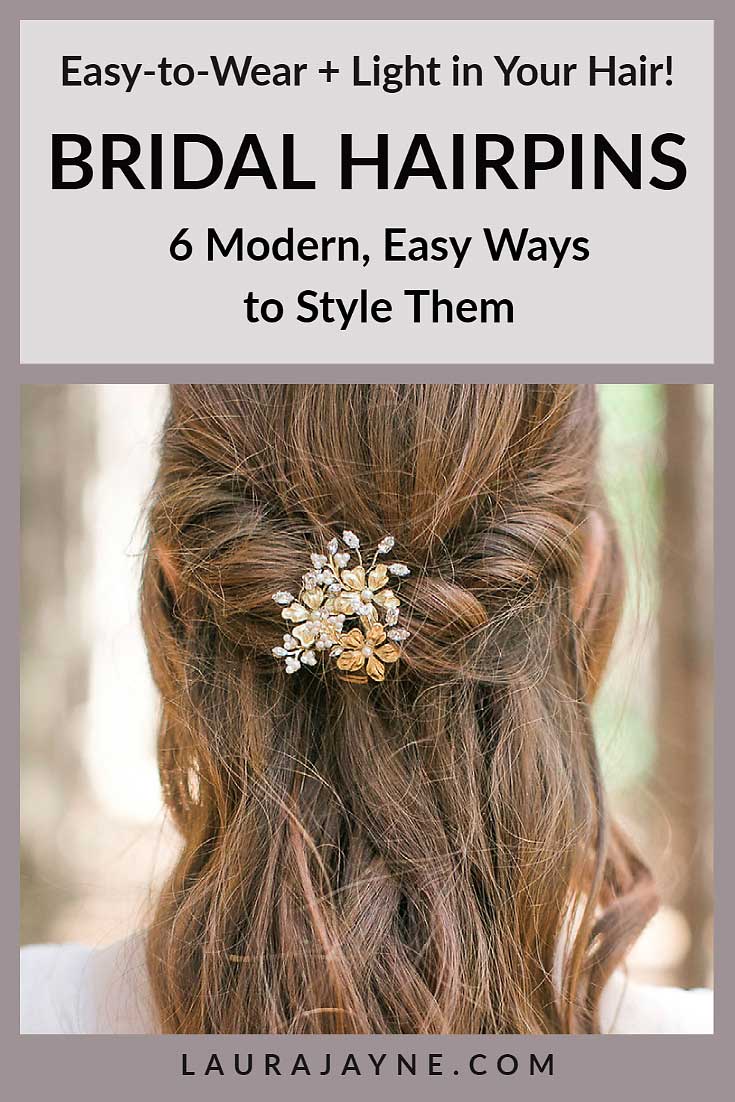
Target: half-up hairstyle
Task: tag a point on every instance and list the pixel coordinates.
(432, 854)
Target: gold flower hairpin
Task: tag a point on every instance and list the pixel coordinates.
(339, 593)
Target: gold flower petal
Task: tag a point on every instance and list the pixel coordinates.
(343, 605)
(375, 635)
(388, 653)
(295, 612)
(353, 579)
(386, 598)
(354, 639)
(351, 660)
(378, 577)
(312, 598)
(375, 669)
(306, 633)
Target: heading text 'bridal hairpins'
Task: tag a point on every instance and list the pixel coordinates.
(338, 594)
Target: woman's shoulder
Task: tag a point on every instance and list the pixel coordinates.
(51, 988)
(630, 1007)
(76, 989)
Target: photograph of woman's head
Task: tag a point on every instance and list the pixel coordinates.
(424, 674)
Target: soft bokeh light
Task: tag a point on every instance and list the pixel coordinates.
(122, 706)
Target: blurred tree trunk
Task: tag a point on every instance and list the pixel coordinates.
(57, 455)
(683, 775)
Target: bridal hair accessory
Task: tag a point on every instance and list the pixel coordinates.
(338, 594)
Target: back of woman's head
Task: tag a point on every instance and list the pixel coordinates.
(427, 854)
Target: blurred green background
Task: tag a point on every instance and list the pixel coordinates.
(632, 458)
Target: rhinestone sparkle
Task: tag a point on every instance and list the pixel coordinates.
(283, 597)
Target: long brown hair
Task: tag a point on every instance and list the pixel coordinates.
(428, 855)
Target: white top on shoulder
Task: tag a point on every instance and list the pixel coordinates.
(72, 989)
(628, 1007)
